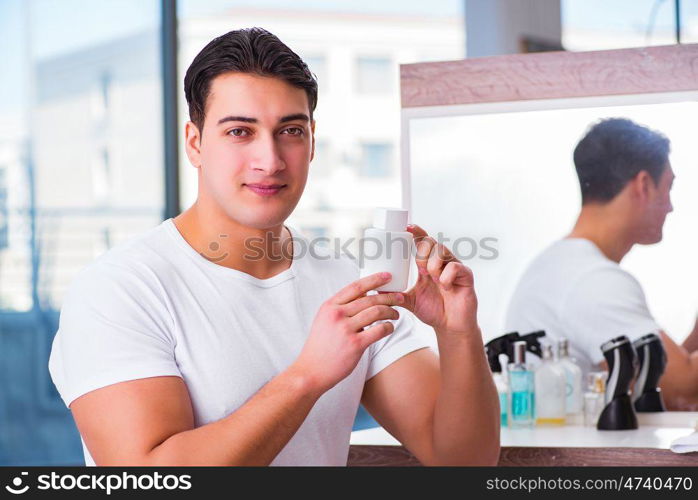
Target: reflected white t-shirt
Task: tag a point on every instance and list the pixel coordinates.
(573, 290)
(153, 306)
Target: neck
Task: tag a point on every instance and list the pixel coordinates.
(604, 226)
(261, 253)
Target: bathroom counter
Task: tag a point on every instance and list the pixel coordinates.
(572, 444)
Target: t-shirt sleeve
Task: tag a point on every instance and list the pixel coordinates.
(403, 340)
(114, 326)
(606, 303)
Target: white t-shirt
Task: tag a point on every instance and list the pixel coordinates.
(153, 306)
(573, 290)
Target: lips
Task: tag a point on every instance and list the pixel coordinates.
(265, 189)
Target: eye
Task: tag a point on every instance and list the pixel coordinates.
(294, 131)
(238, 132)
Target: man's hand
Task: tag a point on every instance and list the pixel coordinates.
(337, 337)
(443, 296)
(420, 398)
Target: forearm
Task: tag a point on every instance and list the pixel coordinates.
(691, 342)
(679, 383)
(252, 435)
(466, 414)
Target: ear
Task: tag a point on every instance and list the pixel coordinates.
(644, 185)
(312, 135)
(192, 144)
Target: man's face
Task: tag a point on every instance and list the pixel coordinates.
(257, 132)
(658, 207)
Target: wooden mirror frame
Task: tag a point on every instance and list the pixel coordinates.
(551, 80)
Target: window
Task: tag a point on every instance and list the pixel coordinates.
(318, 66)
(3, 210)
(314, 232)
(374, 75)
(689, 21)
(601, 25)
(81, 168)
(100, 177)
(321, 164)
(376, 160)
(100, 96)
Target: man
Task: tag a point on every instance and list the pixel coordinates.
(185, 346)
(576, 288)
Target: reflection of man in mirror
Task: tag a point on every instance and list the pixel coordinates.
(576, 289)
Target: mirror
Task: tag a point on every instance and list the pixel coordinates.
(499, 180)
(487, 146)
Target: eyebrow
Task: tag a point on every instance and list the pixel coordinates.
(247, 119)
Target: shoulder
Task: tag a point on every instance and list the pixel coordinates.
(573, 252)
(128, 269)
(604, 290)
(607, 279)
(570, 262)
(144, 248)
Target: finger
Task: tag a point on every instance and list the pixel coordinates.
(371, 315)
(359, 287)
(449, 275)
(375, 333)
(418, 233)
(426, 246)
(435, 265)
(356, 306)
(437, 261)
(424, 251)
(447, 254)
(463, 275)
(410, 298)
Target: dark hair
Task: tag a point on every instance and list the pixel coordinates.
(613, 152)
(249, 50)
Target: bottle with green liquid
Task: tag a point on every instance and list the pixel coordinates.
(521, 390)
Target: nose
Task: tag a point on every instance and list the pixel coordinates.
(266, 157)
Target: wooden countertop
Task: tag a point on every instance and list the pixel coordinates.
(567, 445)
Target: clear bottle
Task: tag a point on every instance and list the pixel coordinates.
(387, 246)
(575, 398)
(550, 390)
(500, 382)
(521, 390)
(594, 397)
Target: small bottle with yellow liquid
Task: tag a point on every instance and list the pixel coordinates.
(551, 387)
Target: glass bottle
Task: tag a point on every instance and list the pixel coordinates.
(550, 389)
(521, 390)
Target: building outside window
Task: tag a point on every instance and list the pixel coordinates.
(375, 75)
(81, 167)
(377, 160)
(3, 209)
